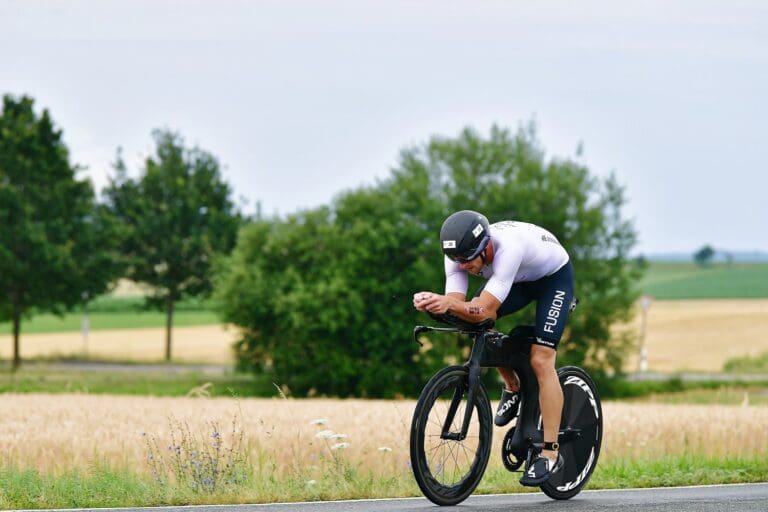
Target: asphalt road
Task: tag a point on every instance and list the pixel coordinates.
(717, 498)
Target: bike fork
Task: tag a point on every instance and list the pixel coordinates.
(474, 381)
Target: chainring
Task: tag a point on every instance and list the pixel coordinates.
(511, 462)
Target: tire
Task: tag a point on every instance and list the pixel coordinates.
(447, 471)
(581, 412)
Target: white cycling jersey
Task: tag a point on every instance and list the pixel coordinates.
(521, 252)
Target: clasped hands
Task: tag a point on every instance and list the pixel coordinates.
(432, 302)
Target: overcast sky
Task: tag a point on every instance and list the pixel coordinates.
(301, 100)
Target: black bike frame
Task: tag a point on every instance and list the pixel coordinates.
(492, 349)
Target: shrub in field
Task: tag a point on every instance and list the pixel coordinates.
(747, 364)
(207, 463)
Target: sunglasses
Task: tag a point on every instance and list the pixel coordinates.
(466, 259)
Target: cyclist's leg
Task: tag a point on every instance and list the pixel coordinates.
(519, 297)
(550, 394)
(509, 404)
(555, 294)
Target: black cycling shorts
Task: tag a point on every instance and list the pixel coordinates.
(553, 295)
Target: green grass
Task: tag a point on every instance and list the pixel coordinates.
(718, 281)
(674, 390)
(747, 364)
(724, 394)
(41, 378)
(110, 320)
(108, 487)
(108, 312)
(99, 487)
(691, 469)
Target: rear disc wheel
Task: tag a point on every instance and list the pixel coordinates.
(581, 428)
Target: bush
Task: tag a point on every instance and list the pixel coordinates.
(324, 297)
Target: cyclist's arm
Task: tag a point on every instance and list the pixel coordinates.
(478, 309)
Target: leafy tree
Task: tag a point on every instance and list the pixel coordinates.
(324, 296)
(55, 242)
(176, 218)
(704, 256)
(508, 177)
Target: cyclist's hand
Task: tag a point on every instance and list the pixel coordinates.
(432, 302)
(419, 300)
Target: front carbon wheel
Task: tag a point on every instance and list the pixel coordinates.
(581, 434)
(446, 468)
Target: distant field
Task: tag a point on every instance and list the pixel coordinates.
(702, 334)
(123, 309)
(117, 312)
(699, 319)
(72, 322)
(210, 344)
(665, 281)
(696, 335)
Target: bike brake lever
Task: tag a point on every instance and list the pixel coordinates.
(418, 330)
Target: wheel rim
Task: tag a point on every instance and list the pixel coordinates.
(581, 412)
(449, 463)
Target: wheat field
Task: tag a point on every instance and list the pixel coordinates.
(200, 344)
(701, 335)
(53, 433)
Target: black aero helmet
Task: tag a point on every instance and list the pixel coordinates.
(464, 235)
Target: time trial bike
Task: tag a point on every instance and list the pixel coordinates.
(452, 426)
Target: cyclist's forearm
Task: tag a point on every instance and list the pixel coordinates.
(473, 311)
(477, 309)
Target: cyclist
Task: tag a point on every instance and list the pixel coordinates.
(522, 262)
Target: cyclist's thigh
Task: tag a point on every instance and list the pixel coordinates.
(554, 297)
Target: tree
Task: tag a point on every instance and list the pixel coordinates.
(176, 218)
(55, 241)
(324, 296)
(703, 257)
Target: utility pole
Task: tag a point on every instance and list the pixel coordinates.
(85, 325)
(645, 305)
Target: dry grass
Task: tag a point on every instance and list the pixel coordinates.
(701, 335)
(56, 432)
(204, 344)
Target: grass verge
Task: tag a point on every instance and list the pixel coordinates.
(40, 377)
(108, 487)
(758, 364)
(675, 390)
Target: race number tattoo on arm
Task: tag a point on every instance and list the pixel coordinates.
(475, 310)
